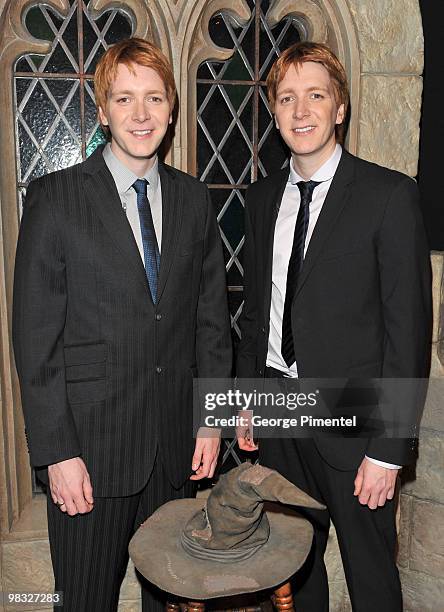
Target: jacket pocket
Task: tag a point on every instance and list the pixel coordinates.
(85, 372)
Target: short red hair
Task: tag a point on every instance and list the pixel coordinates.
(302, 52)
(129, 52)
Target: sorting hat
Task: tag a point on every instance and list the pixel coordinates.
(226, 545)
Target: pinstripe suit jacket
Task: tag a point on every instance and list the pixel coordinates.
(105, 374)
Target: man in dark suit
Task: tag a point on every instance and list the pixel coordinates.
(337, 285)
(119, 301)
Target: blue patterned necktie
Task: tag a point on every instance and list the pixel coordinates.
(150, 247)
(295, 266)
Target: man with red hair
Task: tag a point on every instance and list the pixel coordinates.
(337, 286)
(119, 301)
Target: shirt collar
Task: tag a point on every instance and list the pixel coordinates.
(324, 173)
(123, 176)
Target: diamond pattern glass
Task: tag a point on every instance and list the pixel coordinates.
(56, 119)
(236, 139)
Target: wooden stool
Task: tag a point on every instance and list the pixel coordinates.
(282, 599)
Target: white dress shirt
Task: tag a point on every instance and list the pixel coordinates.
(124, 179)
(282, 245)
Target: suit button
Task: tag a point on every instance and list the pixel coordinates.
(260, 372)
(158, 317)
(158, 369)
(263, 330)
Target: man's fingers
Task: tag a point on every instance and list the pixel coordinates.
(386, 495)
(88, 490)
(246, 444)
(70, 483)
(391, 493)
(364, 497)
(374, 484)
(358, 483)
(203, 471)
(196, 462)
(80, 502)
(213, 466)
(207, 459)
(69, 507)
(374, 499)
(197, 458)
(382, 498)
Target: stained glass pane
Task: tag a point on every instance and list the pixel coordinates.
(56, 120)
(94, 134)
(39, 112)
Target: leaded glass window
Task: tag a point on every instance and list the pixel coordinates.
(56, 119)
(236, 139)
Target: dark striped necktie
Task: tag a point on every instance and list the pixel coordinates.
(150, 248)
(295, 266)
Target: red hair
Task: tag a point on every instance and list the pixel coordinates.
(302, 52)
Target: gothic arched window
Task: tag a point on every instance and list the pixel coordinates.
(236, 139)
(55, 111)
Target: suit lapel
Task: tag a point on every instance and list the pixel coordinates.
(269, 218)
(337, 198)
(102, 194)
(172, 211)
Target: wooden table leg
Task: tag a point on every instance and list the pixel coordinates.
(283, 598)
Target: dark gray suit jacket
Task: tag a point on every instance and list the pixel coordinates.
(362, 308)
(105, 373)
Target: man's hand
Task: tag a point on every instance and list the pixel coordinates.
(244, 432)
(374, 484)
(206, 453)
(70, 486)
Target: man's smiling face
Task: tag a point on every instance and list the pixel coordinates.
(138, 114)
(306, 112)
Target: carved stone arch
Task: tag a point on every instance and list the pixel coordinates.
(149, 20)
(198, 47)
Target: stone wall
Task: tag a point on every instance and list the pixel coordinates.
(390, 41)
(421, 558)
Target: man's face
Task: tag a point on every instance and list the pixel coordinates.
(306, 112)
(138, 114)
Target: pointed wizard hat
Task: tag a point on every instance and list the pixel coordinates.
(226, 545)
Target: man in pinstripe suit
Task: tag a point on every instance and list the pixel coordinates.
(119, 301)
